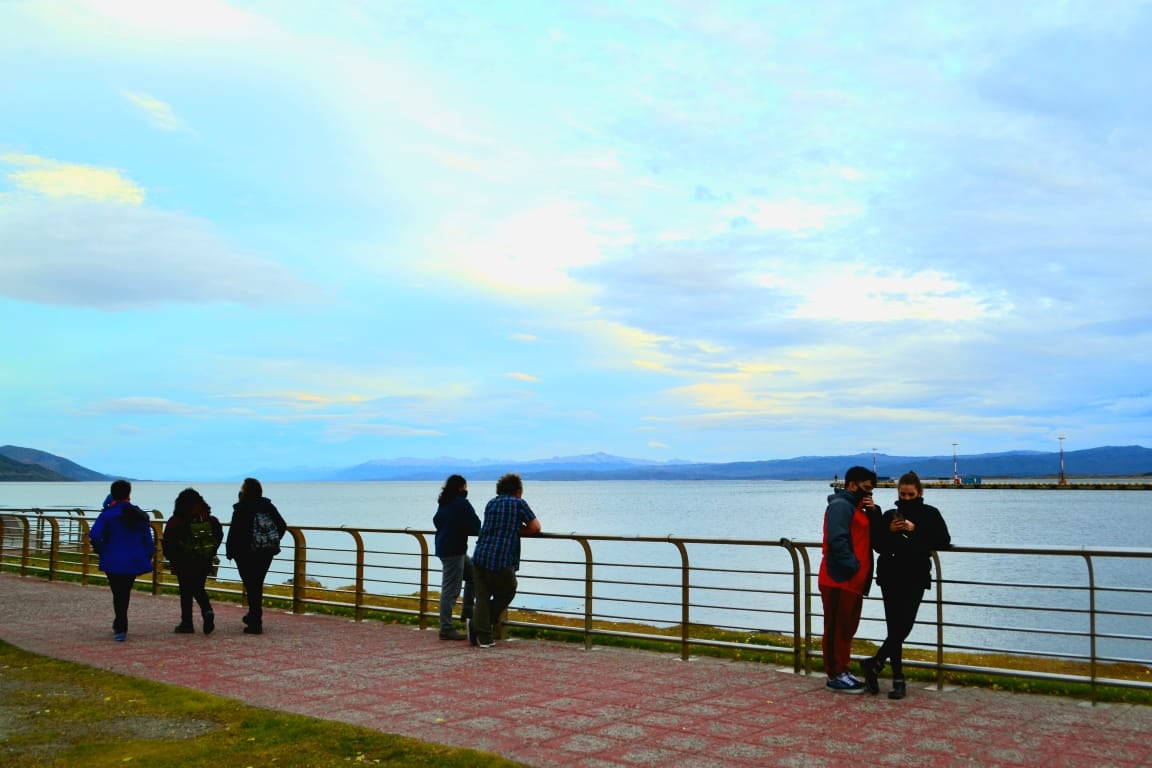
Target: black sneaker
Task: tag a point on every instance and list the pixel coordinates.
(184, 629)
(871, 672)
(451, 634)
(209, 622)
(254, 629)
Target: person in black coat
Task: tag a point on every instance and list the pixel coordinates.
(455, 521)
(253, 541)
(904, 540)
(190, 564)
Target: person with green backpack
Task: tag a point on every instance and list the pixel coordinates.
(191, 538)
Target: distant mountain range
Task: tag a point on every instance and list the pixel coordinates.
(18, 463)
(1110, 461)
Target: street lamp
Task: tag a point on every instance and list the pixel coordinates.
(955, 471)
(1063, 480)
(873, 461)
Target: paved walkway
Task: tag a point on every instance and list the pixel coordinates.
(555, 704)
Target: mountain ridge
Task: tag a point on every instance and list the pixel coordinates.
(18, 464)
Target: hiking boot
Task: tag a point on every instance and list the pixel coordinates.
(184, 629)
(871, 669)
(209, 622)
(897, 691)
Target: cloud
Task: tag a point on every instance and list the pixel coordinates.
(522, 377)
(526, 338)
(116, 257)
(149, 406)
(161, 115)
(55, 179)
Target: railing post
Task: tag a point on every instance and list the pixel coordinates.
(355, 534)
(939, 622)
(157, 553)
(685, 597)
(807, 575)
(53, 547)
(299, 569)
(26, 547)
(797, 640)
(424, 576)
(587, 590)
(1091, 623)
(85, 551)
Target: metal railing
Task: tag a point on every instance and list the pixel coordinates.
(746, 596)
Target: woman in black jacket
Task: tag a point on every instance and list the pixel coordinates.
(904, 540)
(191, 538)
(253, 541)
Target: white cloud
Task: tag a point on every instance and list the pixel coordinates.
(118, 257)
(55, 179)
(160, 114)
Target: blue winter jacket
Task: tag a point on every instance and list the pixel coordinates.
(123, 537)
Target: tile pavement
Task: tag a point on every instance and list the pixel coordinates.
(555, 704)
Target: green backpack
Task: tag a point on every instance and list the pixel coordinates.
(202, 539)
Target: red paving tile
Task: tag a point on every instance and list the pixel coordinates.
(556, 704)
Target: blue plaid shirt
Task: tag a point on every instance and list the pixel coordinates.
(498, 545)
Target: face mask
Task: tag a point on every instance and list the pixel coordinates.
(859, 494)
(464, 493)
(909, 503)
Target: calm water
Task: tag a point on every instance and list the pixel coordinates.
(764, 510)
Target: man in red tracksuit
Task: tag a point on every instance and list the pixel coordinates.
(846, 573)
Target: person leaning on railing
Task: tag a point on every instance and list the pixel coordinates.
(496, 558)
(904, 539)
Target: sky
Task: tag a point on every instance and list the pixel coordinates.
(292, 234)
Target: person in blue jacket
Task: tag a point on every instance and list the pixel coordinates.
(455, 521)
(122, 536)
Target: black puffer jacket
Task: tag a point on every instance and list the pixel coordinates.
(904, 557)
(239, 543)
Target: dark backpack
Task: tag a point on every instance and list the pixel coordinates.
(265, 533)
(202, 539)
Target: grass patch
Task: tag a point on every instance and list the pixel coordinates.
(56, 713)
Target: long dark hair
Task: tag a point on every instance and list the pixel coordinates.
(190, 505)
(452, 487)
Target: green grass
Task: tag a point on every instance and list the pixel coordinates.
(56, 713)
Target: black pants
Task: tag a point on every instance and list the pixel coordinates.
(253, 569)
(495, 591)
(121, 585)
(192, 580)
(901, 604)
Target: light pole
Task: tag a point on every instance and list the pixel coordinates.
(873, 461)
(955, 471)
(1063, 480)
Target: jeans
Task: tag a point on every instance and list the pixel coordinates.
(121, 584)
(901, 604)
(494, 593)
(841, 620)
(191, 580)
(253, 569)
(455, 569)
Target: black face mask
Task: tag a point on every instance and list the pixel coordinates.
(858, 494)
(906, 504)
(464, 493)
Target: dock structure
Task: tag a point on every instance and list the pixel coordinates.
(1022, 485)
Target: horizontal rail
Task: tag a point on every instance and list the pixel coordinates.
(743, 595)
